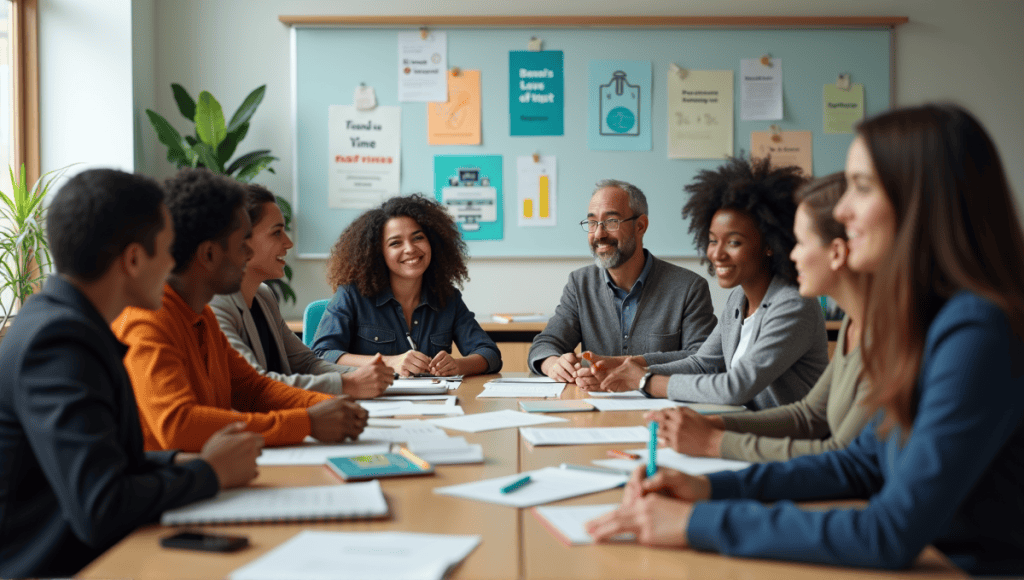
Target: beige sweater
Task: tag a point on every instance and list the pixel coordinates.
(828, 418)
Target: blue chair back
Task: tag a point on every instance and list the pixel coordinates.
(311, 320)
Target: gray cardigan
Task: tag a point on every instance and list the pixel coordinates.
(787, 353)
(673, 319)
(302, 368)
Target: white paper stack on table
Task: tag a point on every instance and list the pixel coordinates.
(283, 504)
(360, 556)
(393, 407)
(585, 435)
(494, 420)
(636, 401)
(447, 451)
(567, 522)
(516, 390)
(423, 385)
(546, 485)
(674, 460)
(313, 452)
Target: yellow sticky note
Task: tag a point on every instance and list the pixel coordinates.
(843, 109)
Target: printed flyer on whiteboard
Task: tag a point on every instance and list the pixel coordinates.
(364, 156)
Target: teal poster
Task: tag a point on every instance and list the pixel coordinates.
(536, 93)
(619, 99)
(469, 186)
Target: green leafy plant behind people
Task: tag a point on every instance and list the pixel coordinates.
(212, 145)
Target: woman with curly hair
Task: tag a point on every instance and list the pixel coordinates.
(832, 414)
(395, 270)
(770, 345)
(930, 216)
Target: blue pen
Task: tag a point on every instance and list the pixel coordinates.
(516, 484)
(652, 449)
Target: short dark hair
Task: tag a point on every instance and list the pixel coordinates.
(203, 206)
(97, 214)
(757, 189)
(358, 258)
(256, 199)
(821, 196)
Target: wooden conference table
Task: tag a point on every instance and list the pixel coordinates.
(514, 542)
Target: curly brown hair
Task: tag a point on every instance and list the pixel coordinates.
(753, 186)
(358, 258)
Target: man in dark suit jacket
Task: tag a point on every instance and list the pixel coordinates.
(74, 478)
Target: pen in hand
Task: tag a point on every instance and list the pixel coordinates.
(652, 449)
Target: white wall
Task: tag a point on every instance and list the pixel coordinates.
(86, 83)
(968, 52)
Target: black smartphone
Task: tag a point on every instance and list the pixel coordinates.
(205, 542)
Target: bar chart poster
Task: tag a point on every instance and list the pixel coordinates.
(537, 191)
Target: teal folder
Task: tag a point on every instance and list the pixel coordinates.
(374, 466)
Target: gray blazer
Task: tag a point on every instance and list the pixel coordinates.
(302, 368)
(787, 353)
(673, 319)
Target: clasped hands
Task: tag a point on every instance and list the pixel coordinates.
(413, 362)
(605, 373)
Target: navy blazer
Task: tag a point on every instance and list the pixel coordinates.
(74, 478)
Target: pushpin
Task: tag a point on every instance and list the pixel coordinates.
(535, 44)
(776, 133)
(766, 60)
(843, 81)
(424, 33)
(536, 157)
(680, 72)
(455, 71)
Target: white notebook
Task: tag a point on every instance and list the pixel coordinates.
(285, 504)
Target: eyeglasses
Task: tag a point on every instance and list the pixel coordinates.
(610, 225)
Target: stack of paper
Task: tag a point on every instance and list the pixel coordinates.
(360, 556)
(631, 404)
(447, 451)
(568, 522)
(546, 390)
(523, 380)
(400, 431)
(546, 485)
(417, 386)
(674, 460)
(585, 435)
(494, 420)
(317, 453)
(393, 408)
(283, 504)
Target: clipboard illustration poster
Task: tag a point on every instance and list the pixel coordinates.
(619, 112)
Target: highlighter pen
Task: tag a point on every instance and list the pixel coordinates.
(516, 484)
(622, 454)
(652, 449)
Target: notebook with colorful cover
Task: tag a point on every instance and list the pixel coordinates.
(379, 465)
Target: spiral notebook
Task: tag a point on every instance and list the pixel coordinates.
(286, 504)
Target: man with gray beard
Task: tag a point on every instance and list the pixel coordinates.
(628, 303)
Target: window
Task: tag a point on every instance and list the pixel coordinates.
(19, 86)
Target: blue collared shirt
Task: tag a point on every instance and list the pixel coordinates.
(366, 325)
(626, 303)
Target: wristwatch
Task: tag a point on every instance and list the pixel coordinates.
(643, 384)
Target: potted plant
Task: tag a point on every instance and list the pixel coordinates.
(24, 251)
(212, 145)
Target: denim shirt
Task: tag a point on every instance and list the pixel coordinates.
(366, 325)
(626, 302)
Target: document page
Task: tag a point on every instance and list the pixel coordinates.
(567, 522)
(585, 435)
(546, 485)
(360, 556)
(521, 390)
(317, 453)
(493, 420)
(675, 460)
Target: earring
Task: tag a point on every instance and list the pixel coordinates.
(769, 252)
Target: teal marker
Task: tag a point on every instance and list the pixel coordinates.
(516, 484)
(652, 449)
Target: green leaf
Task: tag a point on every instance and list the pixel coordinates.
(170, 137)
(230, 143)
(243, 160)
(191, 140)
(286, 211)
(210, 120)
(247, 108)
(186, 104)
(248, 172)
(208, 158)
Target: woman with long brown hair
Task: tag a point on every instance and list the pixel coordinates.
(929, 212)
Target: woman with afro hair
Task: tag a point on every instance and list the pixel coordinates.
(770, 345)
(395, 270)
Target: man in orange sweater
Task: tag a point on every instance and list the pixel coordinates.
(188, 381)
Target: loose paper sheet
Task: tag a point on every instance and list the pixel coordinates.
(585, 435)
(793, 148)
(843, 109)
(422, 67)
(674, 460)
(537, 191)
(700, 115)
(317, 453)
(546, 485)
(364, 156)
(521, 390)
(494, 420)
(568, 521)
(457, 120)
(760, 90)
